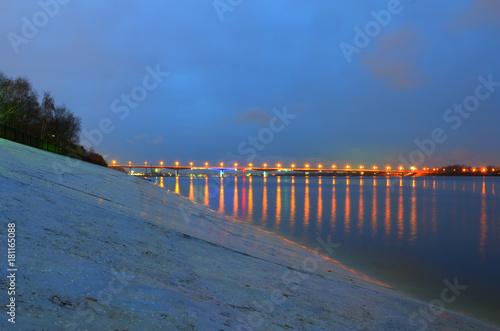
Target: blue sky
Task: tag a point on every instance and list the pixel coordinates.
(230, 66)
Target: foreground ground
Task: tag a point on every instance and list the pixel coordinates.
(97, 249)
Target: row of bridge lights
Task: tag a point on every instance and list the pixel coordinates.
(278, 165)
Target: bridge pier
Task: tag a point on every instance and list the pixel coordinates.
(176, 172)
(265, 174)
(221, 173)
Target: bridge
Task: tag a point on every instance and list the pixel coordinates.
(265, 169)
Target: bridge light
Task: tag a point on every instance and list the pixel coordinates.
(176, 163)
(191, 164)
(235, 164)
(361, 167)
(279, 165)
(388, 168)
(206, 164)
(265, 165)
(474, 169)
(293, 165)
(320, 166)
(129, 163)
(250, 165)
(114, 162)
(401, 168)
(307, 165)
(412, 168)
(348, 166)
(222, 164)
(375, 167)
(483, 170)
(146, 163)
(334, 166)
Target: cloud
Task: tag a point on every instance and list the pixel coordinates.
(144, 139)
(157, 140)
(395, 59)
(255, 115)
(480, 13)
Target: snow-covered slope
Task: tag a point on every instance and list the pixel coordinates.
(99, 250)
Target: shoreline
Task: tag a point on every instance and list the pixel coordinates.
(98, 248)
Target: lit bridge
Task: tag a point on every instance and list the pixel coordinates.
(265, 169)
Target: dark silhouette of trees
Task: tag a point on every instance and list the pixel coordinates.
(21, 110)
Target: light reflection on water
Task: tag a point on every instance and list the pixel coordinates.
(409, 232)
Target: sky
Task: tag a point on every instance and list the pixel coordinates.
(289, 81)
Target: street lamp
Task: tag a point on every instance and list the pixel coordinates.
(222, 164)
(361, 167)
(206, 164)
(250, 165)
(176, 163)
(320, 166)
(114, 162)
(191, 164)
(293, 166)
(375, 167)
(279, 165)
(334, 166)
(388, 168)
(265, 165)
(348, 166)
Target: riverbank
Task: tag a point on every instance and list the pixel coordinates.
(98, 249)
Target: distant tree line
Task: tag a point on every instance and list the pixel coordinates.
(465, 170)
(22, 109)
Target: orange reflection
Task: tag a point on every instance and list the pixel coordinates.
(334, 206)
(292, 204)
(374, 208)
(221, 196)
(483, 227)
(400, 215)
(320, 202)
(347, 223)
(278, 204)
(413, 215)
(484, 188)
(250, 198)
(235, 197)
(361, 207)
(206, 191)
(176, 184)
(306, 205)
(161, 182)
(387, 212)
(191, 189)
(264, 201)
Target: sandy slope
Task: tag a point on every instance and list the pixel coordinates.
(98, 249)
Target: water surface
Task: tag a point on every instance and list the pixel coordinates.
(412, 233)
